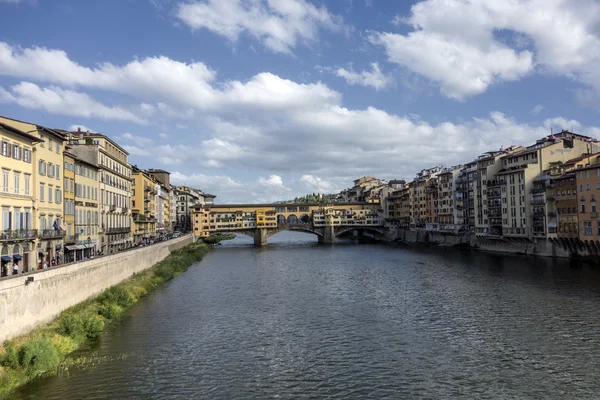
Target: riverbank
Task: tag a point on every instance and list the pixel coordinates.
(46, 348)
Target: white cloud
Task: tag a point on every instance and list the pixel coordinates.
(66, 102)
(137, 151)
(276, 128)
(271, 181)
(278, 24)
(128, 137)
(374, 78)
(163, 136)
(538, 108)
(319, 185)
(468, 46)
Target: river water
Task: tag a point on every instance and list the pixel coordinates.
(299, 320)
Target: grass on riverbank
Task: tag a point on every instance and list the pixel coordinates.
(45, 349)
(218, 237)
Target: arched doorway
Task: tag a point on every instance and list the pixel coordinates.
(281, 219)
(17, 258)
(5, 260)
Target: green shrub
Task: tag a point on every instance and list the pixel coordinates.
(93, 325)
(110, 311)
(38, 356)
(70, 325)
(10, 357)
(118, 295)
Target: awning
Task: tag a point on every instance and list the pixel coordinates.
(552, 223)
(17, 256)
(6, 258)
(75, 247)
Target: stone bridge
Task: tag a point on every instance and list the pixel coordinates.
(325, 234)
(260, 221)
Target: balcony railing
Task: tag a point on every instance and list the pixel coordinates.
(51, 233)
(112, 208)
(119, 230)
(538, 190)
(20, 234)
(538, 202)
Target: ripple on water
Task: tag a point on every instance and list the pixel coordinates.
(296, 320)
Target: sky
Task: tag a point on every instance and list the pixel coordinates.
(265, 100)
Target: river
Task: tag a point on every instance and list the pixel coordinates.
(299, 320)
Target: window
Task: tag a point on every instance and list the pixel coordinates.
(587, 186)
(50, 170)
(58, 196)
(50, 144)
(17, 187)
(57, 170)
(27, 155)
(587, 173)
(5, 180)
(57, 147)
(27, 183)
(587, 228)
(583, 208)
(42, 167)
(5, 149)
(50, 188)
(43, 142)
(17, 152)
(593, 207)
(66, 183)
(581, 187)
(42, 191)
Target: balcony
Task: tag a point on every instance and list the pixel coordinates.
(495, 183)
(593, 215)
(112, 208)
(538, 190)
(51, 234)
(124, 210)
(494, 204)
(493, 193)
(119, 230)
(20, 234)
(538, 202)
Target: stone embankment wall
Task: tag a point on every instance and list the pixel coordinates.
(23, 306)
(562, 248)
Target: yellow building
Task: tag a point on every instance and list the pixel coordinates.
(47, 189)
(69, 203)
(143, 205)
(18, 234)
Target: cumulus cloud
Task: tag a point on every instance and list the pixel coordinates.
(273, 129)
(278, 24)
(66, 102)
(319, 185)
(468, 46)
(373, 78)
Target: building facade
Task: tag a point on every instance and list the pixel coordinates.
(18, 236)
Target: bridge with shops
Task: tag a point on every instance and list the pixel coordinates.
(260, 221)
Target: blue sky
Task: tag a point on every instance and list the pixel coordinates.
(262, 100)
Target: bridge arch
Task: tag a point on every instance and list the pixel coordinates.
(281, 219)
(305, 218)
(292, 219)
(373, 229)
